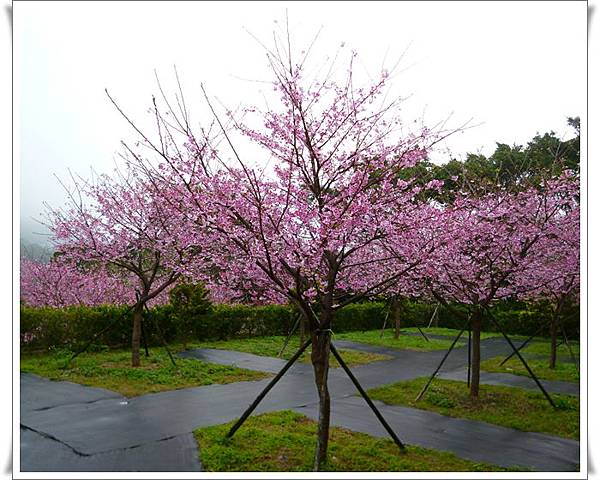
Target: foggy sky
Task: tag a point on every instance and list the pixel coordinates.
(515, 67)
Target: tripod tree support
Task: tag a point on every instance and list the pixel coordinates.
(385, 319)
(87, 345)
(523, 344)
(433, 316)
(287, 340)
(385, 324)
(266, 390)
(441, 363)
(366, 397)
(422, 333)
(144, 339)
(566, 341)
(540, 386)
(162, 338)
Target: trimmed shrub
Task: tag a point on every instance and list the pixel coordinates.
(71, 327)
(189, 302)
(45, 328)
(234, 321)
(359, 316)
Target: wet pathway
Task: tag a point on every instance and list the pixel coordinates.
(70, 427)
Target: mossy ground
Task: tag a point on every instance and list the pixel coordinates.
(284, 442)
(409, 342)
(564, 371)
(510, 407)
(111, 369)
(271, 346)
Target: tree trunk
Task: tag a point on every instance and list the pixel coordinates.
(553, 342)
(302, 328)
(136, 335)
(475, 352)
(396, 315)
(144, 338)
(320, 362)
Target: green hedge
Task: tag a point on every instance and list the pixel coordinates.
(524, 319)
(231, 321)
(43, 328)
(515, 317)
(47, 327)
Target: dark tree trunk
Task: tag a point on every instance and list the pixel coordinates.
(320, 361)
(396, 315)
(144, 338)
(136, 335)
(475, 352)
(554, 332)
(302, 327)
(553, 341)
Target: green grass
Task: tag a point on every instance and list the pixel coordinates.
(112, 370)
(449, 332)
(543, 348)
(408, 342)
(284, 442)
(270, 347)
(564, 371)
(506, 406)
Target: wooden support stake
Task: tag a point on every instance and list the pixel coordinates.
(367, 399)
(525, 364)
(266, 390)
(523, 344)
(442, 362)
(287, 340)
(87, 345)
(162, 339)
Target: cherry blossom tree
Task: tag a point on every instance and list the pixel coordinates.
(60, 283)
(329, 205)
(555, 273)
(492, 247)
(121, 224)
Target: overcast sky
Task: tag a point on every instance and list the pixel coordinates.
(514, 68)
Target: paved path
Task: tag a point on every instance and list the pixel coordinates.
(477, 441)
(563, 358)
(70, 427)
(39, 453)
(240, 359)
